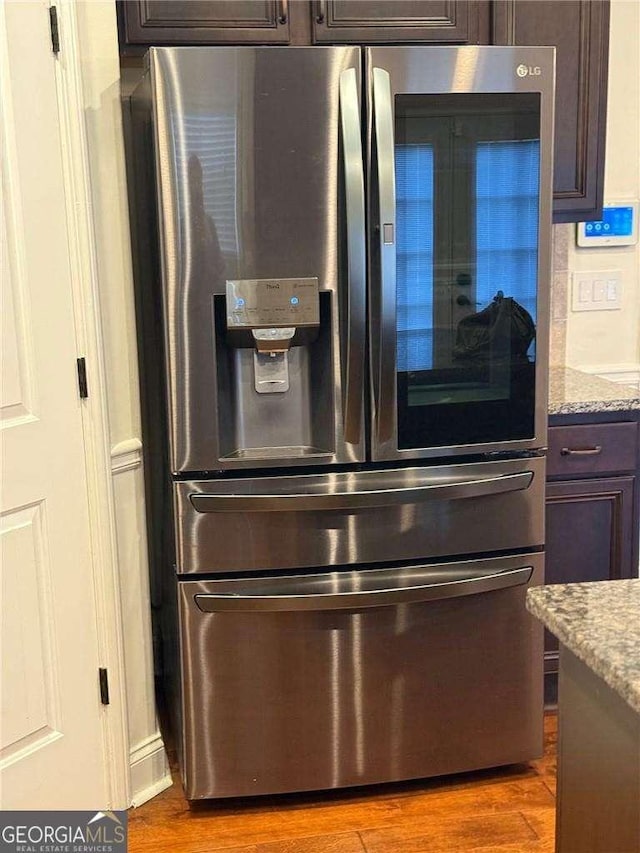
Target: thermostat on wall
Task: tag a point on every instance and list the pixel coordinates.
(618, 226)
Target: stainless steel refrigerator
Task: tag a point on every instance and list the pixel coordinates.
(343, 263)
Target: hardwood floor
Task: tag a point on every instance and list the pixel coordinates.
(511, 810)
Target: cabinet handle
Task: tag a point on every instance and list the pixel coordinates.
(322, 11)
(284, 11)
(581, 451)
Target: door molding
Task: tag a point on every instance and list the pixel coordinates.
(95, 422)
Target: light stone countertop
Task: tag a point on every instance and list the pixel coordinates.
(572, 392)
(600, 623)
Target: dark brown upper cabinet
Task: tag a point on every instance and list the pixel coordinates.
(182, 22)
(579, 29)
(400, 21)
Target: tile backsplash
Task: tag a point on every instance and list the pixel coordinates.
(559, 287)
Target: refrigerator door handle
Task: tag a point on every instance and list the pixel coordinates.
(356, 254)
(384, 379)
(295, 502)
(388, 595)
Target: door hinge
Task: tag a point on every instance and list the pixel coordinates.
(55, 32)
(83, 388)
(104, 685)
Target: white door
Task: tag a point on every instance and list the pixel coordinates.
(51, 731)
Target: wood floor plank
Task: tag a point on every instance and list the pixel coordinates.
(281, 823)
(452, 834)
(478, 798)
(465, 798)
(343, 842)
(542, 821)
(546, 766)
(202, 847)
(539, 846)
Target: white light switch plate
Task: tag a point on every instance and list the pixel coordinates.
(599, 290)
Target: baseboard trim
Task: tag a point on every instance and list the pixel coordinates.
(150, 774)
(141, 797)
(126, 455)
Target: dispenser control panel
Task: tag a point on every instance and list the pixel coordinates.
(268, 303)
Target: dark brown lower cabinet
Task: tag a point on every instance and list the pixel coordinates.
(589, 536)
(592, 507)
(598, 764)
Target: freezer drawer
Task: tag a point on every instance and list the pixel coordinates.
(359, 517)
(341, 679)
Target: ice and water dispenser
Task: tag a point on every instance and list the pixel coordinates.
(274, 312)
(274, 369)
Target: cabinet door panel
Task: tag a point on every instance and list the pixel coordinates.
(589, 536)
(177, 22)
(579, 29)
(377, 21)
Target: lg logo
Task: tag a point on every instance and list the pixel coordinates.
(528, 70)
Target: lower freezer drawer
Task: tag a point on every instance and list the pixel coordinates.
(359, 517)
(285, 690)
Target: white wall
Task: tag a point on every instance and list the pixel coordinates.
(608, 342)
(101, 91)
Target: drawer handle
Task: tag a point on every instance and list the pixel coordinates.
(581, 451)
(296, 501)
(301, 600)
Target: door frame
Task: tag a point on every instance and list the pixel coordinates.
(95, 418)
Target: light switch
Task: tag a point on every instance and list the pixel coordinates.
(599, 290)
(585, 290)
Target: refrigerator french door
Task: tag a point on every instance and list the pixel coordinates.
(343, 323)
(460, 169)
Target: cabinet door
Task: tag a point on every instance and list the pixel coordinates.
(579, 29)
(403, 21)
(589, 536)
(175, 22)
